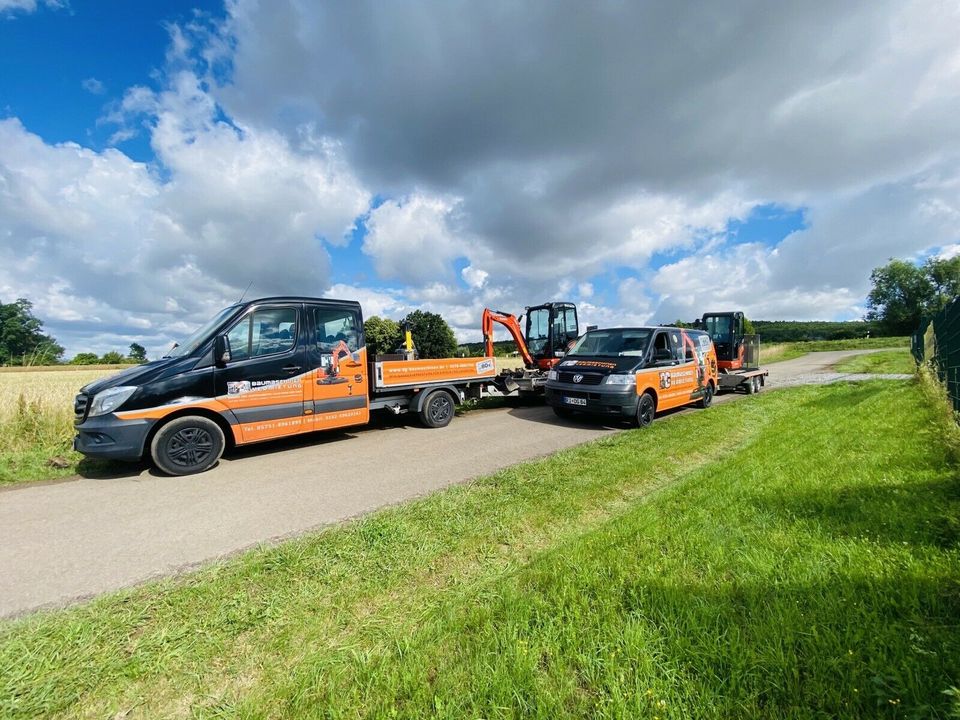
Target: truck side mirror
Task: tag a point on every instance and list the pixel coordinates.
(221, 350)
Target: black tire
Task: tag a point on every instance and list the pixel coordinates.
(562, 412)
(437, 410)
(758, 382)
(646, 409)
(706, 400)
(187, 445)
(751, 386)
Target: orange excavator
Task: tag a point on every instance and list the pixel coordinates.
(550, 328)
(738, 353)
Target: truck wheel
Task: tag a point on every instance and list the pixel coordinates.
(187, 445)
(646, 409)
(751, 386)
(706, 400)
(437, 410)
(758, 383)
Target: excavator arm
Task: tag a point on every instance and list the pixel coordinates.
(511, 323)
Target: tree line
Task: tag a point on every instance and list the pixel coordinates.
(902, 294)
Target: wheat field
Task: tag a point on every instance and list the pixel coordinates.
(36, 420)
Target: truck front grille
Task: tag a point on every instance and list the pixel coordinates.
(81, 405)
(588, 378)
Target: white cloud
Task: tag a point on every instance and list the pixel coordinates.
(28, 6)
(474, 277)
(411, 239)
(229, 206)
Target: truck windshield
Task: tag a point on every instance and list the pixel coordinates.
(719, 327)
(198, 337)
(612, 343)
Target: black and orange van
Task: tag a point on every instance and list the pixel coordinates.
(260, 370)
(632, 373)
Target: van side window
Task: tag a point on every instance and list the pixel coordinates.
(677, 343)
(334, 324)
(266, 331)
(661, 347)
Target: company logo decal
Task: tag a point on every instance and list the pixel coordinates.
(485, 366)
(578, 378)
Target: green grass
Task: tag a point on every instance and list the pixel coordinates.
(778, 352)
(885, 361)
(794, 555)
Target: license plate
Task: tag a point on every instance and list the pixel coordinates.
(575, 401)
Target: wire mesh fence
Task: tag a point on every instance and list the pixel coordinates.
(937, 342)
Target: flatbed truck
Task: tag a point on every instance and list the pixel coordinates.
(261, 370)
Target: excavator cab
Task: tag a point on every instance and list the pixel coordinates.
(735, 349)
(551, 327)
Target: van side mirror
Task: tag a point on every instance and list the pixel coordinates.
(221, 350)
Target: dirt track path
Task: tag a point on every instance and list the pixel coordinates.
(73, 539)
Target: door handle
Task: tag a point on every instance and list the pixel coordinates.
(290, 368)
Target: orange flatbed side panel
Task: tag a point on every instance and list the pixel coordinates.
(402, 373)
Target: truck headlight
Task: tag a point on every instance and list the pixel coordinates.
(109, 400)
(618, 379)
(552, 375)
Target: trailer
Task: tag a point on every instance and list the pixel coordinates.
(738, 353)
(262, 370)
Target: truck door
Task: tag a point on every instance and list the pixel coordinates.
(677, 373)
(263, 380)
(339, 388)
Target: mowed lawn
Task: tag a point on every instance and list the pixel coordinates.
(883, 361)
(790, 555)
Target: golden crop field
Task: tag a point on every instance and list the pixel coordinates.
(36, 420)
(52, 389)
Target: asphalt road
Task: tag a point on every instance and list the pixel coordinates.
(70, 540)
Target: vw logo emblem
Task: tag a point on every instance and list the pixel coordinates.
(578, 378)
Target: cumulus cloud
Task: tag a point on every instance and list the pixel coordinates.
(96, 238)
(579, 137)
(516, 153)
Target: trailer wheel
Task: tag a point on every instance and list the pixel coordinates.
(706, 400)
(437, 410)
(646, 409)
(751, 386)
(757, 384)
(187, 445)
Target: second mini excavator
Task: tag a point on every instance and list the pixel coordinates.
(550, 328)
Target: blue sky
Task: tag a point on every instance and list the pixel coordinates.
(155, 158)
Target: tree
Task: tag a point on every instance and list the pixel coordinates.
(87, 358)
(138, 353)
(431, 334)
(904, 293)
(383, 335)
(21, 339)
(112, 358)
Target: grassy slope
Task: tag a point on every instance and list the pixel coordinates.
(885, 361)
(778, 352)
(704, 567)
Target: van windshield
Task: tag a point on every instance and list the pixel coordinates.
(198, 337)
(617, 342)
